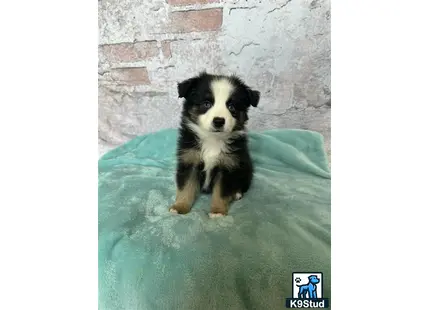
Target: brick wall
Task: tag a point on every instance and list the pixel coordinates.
(145, 47)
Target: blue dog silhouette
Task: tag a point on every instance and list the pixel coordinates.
(310, 289)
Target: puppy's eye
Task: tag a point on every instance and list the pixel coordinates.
(207, 104)
(231, 108)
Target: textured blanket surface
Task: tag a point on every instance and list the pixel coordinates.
(152, 259)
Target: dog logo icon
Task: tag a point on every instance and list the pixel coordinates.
(307, 291)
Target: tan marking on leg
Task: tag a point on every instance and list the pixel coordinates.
(219, 204)
(190, 156)
(186, 196)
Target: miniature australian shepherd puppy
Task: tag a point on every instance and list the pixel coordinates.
(212, 150)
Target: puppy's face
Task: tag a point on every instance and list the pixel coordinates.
(217, 103)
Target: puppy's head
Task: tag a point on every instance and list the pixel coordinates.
(217, 103)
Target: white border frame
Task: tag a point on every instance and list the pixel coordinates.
(380, 154)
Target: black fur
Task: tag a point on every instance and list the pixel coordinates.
(196, 91)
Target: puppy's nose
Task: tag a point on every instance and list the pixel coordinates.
(218, 122)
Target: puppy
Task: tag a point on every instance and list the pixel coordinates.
(212, 150)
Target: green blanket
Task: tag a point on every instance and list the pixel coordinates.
(152, 259)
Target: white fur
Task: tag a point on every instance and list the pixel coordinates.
(212, 144)
(238, 196)
(214, 215)
(171, 210)
(221, 90)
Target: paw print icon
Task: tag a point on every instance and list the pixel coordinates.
(298, 280)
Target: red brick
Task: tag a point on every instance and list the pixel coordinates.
(130, 52)
(165, 48)
(196, 21)
(134, 76)
(186, 2)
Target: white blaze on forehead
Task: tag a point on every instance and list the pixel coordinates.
(221, 90)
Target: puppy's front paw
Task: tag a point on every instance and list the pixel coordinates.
(179, 209)
(214, 215)
(238, 196)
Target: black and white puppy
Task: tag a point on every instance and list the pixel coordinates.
(212, 148)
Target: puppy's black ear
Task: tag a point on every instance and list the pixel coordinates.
(185, 87)
(254, 97)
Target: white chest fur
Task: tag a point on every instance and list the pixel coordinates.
(213, 146)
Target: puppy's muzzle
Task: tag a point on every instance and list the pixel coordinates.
(218, 123)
